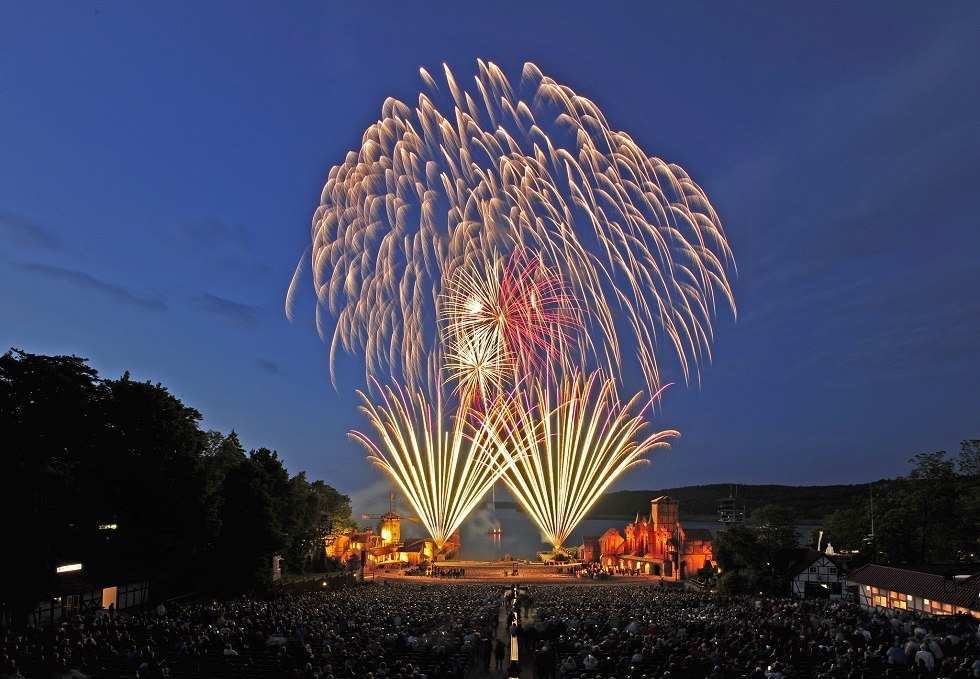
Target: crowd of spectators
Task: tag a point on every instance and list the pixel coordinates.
(648, 631)
(439, 630)
(395, 631)
(444, 572)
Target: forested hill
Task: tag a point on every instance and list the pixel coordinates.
(806, 503)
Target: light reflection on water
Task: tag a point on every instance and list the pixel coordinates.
(521, 538)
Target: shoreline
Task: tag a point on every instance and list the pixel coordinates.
(484, 572)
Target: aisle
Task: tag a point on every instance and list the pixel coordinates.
(503, 633)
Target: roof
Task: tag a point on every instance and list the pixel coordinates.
(964, 593)
(415, 545)
(663, 498)
(696, 534)
(793, 560)
(387, 549)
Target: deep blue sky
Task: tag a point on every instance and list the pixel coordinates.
(160, 162)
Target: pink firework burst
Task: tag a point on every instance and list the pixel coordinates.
(509, 320)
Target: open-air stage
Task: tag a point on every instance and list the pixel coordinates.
(476, 572)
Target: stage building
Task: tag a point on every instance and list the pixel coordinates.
(386, 548)
(655, 545)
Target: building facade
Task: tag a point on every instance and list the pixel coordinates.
(811, 573)
(387, 548)
(653, 545)
(898, 588)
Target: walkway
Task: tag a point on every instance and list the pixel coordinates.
(503, 633)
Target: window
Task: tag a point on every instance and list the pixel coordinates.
(813, 569)
(833, 571)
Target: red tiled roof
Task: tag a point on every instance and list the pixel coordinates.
(923, 585)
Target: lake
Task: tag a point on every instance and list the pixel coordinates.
(521, 537)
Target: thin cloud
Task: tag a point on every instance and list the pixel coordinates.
(19, 231)
(268, 366)
(229, 245)
(243, 314)
(89, 282)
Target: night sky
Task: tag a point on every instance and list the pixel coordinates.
(160, 164)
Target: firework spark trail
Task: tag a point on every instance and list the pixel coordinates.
(567, 446)
(506, 322)
(428, 194)
(443, 471)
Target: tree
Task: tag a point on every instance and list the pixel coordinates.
(737, 548)
(149, 480)
(250, 531)
(734, 582)
(895, 537)
(314, 510)
(969, 461)
(51, 418)
(933, 503)
(774, 529)
(968, 505)
(847, 528)
(189, 508)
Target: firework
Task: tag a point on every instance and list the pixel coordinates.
(428, 195)
(505, 322)
(568, 445)
(443, 468)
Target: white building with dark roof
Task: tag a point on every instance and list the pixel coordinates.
(811, 573)
(908, 590)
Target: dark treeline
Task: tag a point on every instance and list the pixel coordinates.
(928, 519)
(119, 475)
(930, 516)
(808, 504)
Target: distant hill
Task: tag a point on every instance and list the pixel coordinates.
(809, 504)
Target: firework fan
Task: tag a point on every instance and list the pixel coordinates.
(440, 188)
(443, 465)
(567, 445)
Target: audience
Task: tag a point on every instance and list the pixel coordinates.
(440, 630)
